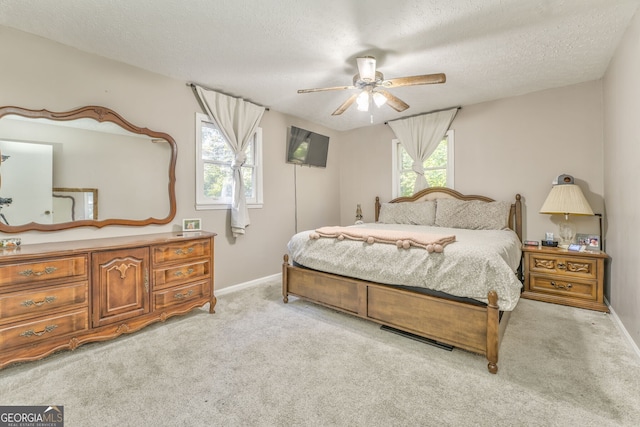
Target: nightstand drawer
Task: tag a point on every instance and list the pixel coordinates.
(563, 286)
(567, 266)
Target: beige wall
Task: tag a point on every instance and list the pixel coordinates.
(37, 73)
(622, 178)
(504, 147)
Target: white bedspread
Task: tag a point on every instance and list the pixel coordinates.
(477, 262)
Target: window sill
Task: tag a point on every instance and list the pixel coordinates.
(225, 206)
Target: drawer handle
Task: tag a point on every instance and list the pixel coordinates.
(46, 300)
(30, 272)
(567, 286)
(31, 332)
(181, 252)
(183, 296)
(181, 273)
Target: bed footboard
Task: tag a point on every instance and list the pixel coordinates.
(471, 327)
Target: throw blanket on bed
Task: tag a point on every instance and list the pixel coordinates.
(400, 238)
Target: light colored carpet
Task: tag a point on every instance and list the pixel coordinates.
(260, 362)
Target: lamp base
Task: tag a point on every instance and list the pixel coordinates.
(567, 232)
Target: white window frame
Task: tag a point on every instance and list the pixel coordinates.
(206, 203)
(395, 174)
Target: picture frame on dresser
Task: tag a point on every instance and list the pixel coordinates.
(191, 224)
(590, 241)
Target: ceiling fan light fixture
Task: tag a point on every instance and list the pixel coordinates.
(379, 99)
(363, 101)
(367, 68)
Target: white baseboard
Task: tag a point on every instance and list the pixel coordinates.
(624, 331)
(249, 284)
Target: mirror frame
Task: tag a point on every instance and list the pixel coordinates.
(100, 114)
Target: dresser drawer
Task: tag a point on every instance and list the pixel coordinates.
(42, 301)
(36, 272)
(563, 286)
(29, 333)
(181, 294)
(173, 252)
(567, 266)
(171, 276)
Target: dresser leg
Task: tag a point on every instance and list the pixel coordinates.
(212, 304)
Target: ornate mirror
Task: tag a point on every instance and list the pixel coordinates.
(54, 165)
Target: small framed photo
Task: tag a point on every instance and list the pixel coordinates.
(590, 241)
(191, 224)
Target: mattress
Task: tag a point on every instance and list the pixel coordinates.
(477, 262)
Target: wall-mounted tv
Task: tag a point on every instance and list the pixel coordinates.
(307, 148)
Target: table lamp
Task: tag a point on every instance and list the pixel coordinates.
(566, 198)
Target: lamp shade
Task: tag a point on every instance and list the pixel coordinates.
(566, 199)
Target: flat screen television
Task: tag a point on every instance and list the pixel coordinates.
(307, 148)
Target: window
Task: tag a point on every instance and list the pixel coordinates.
(438, 167)
(214, 156)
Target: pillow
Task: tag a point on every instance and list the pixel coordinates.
(472, 214)
(416, 213)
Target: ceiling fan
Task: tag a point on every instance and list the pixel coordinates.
(372, 86)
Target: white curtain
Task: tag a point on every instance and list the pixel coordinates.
(238, 120)
(420, 136)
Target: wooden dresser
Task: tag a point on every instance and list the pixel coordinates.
(565, 277)
(57, 296)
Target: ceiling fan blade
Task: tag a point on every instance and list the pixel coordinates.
(393, 101)
(346, 104)
(322, 89)
(426, 79)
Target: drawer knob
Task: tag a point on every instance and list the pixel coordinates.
(46, 300)
(30, 272)
(183, 296)
(557, 286)
(31, 332)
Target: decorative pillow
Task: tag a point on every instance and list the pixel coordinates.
(416, 213)
(472, 214)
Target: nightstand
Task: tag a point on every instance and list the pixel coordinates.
(565, 277)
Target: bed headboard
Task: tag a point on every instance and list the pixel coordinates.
(434, 193)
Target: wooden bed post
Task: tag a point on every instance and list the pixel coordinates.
(377, 209)
(285, 293)
(493, 332)
(518, 224)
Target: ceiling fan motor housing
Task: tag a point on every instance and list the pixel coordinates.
(361, 83)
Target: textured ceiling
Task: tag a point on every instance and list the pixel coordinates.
(264, 50)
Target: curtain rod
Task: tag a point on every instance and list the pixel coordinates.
(193, 86)
(422, 114)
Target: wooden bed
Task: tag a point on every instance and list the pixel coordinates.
(474, 327)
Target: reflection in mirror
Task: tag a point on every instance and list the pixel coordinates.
(74, 204)
(55, 163)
